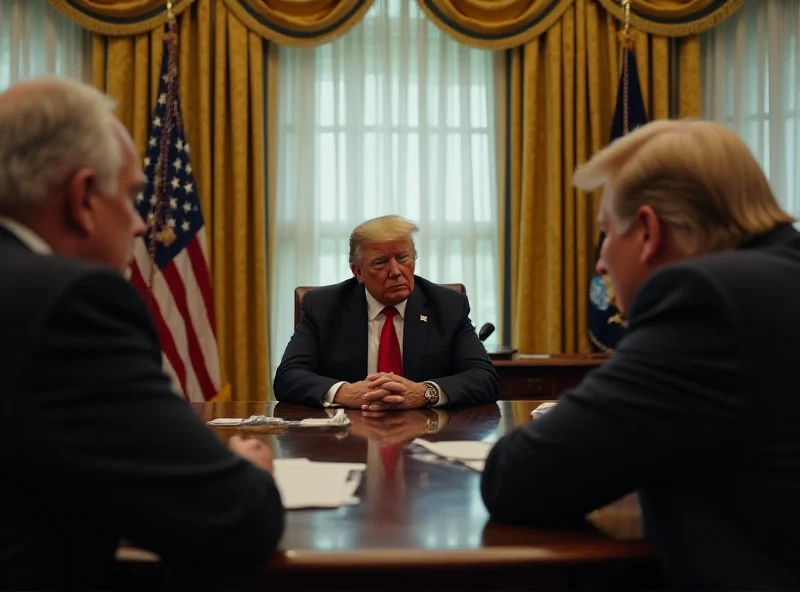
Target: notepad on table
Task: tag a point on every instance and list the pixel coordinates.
(307, 484)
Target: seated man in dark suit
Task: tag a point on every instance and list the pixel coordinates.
(95, 445)
(343, 353)
(697, 408)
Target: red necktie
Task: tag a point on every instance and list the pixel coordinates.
(389, 358)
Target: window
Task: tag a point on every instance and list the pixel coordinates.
(392, 118)
(37, 40)
(751, 81)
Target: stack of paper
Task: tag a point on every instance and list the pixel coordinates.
(337, 420)
(467, 452)
(307, 484)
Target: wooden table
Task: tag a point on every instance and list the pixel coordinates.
(544, 378)
(420, 526)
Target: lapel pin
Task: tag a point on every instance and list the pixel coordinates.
(423, 318)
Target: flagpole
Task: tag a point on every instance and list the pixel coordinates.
(627, 45)
(155, 220)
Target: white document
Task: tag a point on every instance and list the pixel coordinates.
(475, 465)
(467, 452)
(307, 484)
(457, 449)
(543, 408)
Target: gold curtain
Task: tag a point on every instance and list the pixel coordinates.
(494, 25)
(112, 17)
(560, 97)
(221, 69)
(675, 18)
(299, 23)
(491, 24)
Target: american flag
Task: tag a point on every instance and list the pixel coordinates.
(178, 286)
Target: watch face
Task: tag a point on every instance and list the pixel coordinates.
(431, 395)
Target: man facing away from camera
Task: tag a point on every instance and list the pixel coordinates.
(697, 409)
(96, 446)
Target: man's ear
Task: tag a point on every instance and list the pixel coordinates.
(356, 272)
(652, 234)
(79, 202)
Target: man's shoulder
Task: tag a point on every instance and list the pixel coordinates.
(40, 280)
(438, 292)
(27, 266)
(333, 292)
(721, 279)
(729, 268)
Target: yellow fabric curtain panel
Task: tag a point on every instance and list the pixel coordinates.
(504, 24)
(119, 17)
(675, 18)
(494, 24)
(299, 23)
(221, 78)
(559, 100)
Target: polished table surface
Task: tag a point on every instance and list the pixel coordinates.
(418, 515)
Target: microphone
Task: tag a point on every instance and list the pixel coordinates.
(485, 331)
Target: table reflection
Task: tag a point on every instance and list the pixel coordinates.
(407, 501)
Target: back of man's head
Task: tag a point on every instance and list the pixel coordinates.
(699, 177)
(49, 129)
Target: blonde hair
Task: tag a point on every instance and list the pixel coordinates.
(380, 230)
(698, 176)
(49, 128)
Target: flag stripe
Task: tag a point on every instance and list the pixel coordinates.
(164, 335)
(198, 316)
(197, 254)
(170, 274)
(173, 323)
(176, 384)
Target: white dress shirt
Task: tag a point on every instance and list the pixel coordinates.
(376, 318)
(32, 240)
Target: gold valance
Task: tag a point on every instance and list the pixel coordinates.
(119, 17)
(299, 23)
(494, 24)
(675, 18)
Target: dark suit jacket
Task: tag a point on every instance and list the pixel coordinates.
(330, 345)
(96, 447)
(698, 409)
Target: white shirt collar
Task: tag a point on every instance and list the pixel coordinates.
(31, 240)
(374, 307)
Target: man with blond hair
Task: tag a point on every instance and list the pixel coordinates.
(96, 447)
(385, 339)
(696, 409)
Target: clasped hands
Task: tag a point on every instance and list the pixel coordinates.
(382, 391)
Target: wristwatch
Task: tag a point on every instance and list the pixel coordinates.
(431, 395)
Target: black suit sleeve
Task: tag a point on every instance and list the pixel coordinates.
(670, 402)
(297, 380)
(474, 380)
(102, 424)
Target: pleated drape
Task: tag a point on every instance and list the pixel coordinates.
(221, 73)
(559, 98)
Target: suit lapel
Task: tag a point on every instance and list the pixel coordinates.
(354, 333)
(415, 334)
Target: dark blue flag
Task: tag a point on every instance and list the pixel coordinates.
(606, 325)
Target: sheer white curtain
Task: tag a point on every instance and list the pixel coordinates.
(751, 82)
(36, 40)
(392, 118)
